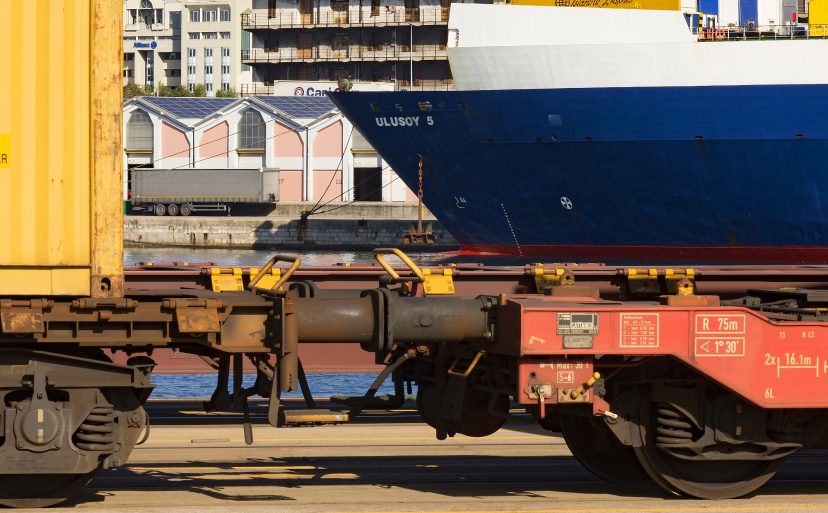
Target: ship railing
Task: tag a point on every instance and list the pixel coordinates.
(350, 16)
(273, 88)
(345, 53)
(762, 32)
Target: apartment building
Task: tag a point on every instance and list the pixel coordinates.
(394, 41)
(152, 42)
(185, 42)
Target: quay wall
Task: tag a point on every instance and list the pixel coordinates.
(275, 232)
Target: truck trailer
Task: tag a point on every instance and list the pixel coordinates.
(182, 191)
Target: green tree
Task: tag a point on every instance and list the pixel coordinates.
(173, 91)
(133, 90)
(181, 91)
(229, 93)
(200, 90)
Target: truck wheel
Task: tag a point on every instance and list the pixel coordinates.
(185, 209)
(172, 209)
(159, 209)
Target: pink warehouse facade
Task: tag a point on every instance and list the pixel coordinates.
(318, 155)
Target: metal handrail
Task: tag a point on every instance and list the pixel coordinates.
(353, 16)
(762, 32)
(267, 89)
(351, 52)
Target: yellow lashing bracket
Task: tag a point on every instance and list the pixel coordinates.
(268, 280)
(545, 278)
(648, 281)
(433, 284)
(438, 284)
(223, 281)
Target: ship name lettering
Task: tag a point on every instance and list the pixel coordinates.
(383, 121)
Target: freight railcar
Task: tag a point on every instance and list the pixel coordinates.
(702, 380)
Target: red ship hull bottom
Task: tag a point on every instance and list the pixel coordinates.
(640, 254)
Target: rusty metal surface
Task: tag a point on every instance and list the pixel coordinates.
(473, 279)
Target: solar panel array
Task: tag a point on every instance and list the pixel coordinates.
(191, 108)
(300, 106)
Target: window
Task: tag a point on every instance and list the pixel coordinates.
(224, 15)
(210, 15)
(145, 13)
(159, 16)
(173, 72)
(175, 19)
(132, 16)
(225, 35)
(127, 73)
(195, 16)
(210, 35)
(225, 68)
(195, 35)
(150, 67)
(173, 56)
(251, 131)
(191, 68)
(139, 132)
(129, 57)
(208, 68)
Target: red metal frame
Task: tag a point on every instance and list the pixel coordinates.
(772, 364)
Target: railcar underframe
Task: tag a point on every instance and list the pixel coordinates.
(702, 380)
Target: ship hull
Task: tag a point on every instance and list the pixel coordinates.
(682, 174)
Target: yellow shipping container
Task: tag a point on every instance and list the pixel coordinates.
(659, 5)
(818, 17)
(61, 220)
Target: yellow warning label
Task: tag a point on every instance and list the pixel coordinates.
(5, 151)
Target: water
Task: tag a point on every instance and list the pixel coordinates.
(175, 386)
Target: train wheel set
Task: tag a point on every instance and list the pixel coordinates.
(647, 379)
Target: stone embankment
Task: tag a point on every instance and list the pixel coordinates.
(350, 227)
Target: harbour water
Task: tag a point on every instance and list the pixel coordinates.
(178, 386)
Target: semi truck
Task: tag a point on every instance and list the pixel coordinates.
(181, 191)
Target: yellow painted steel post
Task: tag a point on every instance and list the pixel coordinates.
(107, 92)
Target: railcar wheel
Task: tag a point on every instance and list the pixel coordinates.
(596, 448)
(41, 490)
(717, 479)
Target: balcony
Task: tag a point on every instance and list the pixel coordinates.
(354, 16)
(272, 89)
(352, 53)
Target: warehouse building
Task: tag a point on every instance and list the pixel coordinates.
(318, 154)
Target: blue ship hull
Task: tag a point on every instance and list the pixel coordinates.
(684, 174)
